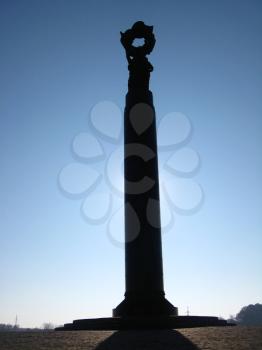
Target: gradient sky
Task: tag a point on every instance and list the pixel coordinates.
(58, 59)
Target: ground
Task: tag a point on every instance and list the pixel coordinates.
(210, 338)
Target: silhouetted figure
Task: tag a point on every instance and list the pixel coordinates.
(139, 66)
(139, 69)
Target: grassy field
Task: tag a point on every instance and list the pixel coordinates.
(211, 338)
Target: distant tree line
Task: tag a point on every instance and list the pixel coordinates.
(48, 326)
(250, 315)
(8, 327)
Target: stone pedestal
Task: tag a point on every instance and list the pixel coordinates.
(141, 323)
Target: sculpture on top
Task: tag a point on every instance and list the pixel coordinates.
(139, 66)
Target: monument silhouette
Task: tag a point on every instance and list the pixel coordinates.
(144, 305)
(144, 294)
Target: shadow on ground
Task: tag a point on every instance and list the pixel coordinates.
(149, 339)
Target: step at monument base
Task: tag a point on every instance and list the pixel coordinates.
(121, 323)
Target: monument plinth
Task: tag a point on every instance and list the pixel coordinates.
(144, 305)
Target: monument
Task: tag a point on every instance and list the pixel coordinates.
(144, 305)
(143, 250)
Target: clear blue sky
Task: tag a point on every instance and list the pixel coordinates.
(58, 59)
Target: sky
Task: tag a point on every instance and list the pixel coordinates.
(60, 61)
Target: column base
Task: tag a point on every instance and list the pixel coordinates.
(147, 306)
(142, 323)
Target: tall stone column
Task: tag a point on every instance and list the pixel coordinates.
(144, 294)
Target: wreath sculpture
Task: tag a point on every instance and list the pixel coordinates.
(138, 31)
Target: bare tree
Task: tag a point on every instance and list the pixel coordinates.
(48, 326)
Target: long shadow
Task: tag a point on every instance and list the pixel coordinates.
(147, 339)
